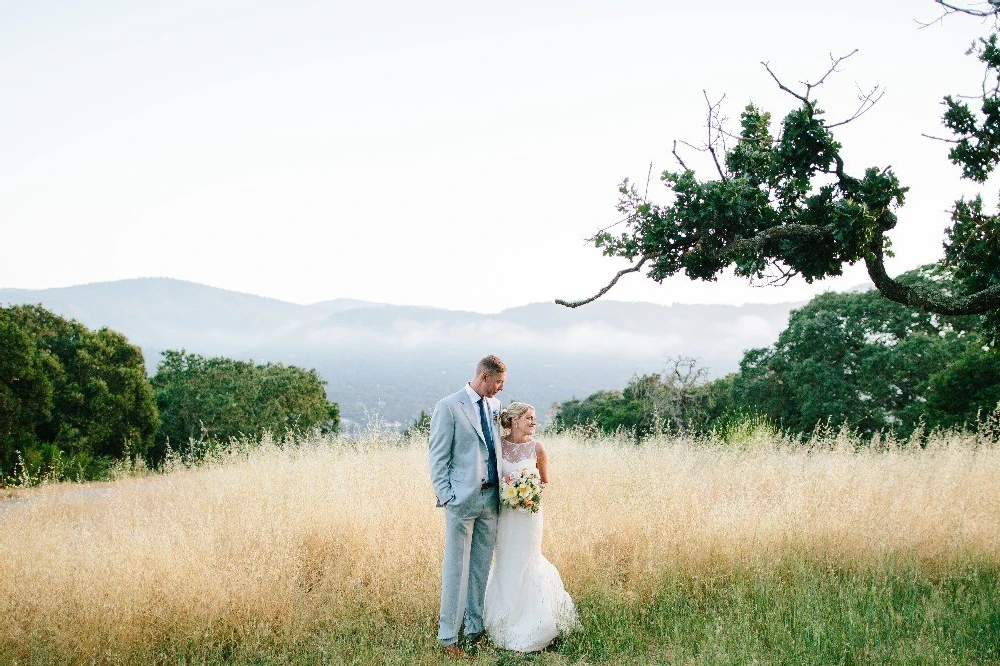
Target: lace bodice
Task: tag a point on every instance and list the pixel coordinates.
(518, 453)
(517, 456)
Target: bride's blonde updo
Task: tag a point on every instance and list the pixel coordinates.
(513, 410)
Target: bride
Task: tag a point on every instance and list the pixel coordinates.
(526, 604)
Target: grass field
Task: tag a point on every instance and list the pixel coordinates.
(676, 551)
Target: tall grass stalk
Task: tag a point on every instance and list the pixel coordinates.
(677, 551)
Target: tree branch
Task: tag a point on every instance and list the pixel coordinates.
(867, 103)
(981, 302)
(753, 245)
(939, 138)
(950, 9)
(576, 304)
(785, 274)
(714, 123)
(588, 241)
(678, 157)
(804, 100)
(756, 243)
(834, 63)
(953, 9)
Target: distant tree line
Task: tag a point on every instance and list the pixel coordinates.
(73, 401)
(857, 360)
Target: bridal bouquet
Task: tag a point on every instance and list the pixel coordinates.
(522, 490)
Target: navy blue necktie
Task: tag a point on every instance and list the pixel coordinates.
(491, 474)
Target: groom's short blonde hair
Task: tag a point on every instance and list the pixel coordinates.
(491, 364)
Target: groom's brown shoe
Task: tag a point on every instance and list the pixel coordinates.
(455, 652)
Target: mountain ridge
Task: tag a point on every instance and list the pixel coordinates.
(394, 361)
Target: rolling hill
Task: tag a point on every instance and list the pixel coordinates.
(389, 362)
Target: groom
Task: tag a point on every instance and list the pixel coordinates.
(465, 473)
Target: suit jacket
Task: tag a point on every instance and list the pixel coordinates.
(457, 448)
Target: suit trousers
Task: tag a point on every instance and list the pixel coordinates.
(470, 534)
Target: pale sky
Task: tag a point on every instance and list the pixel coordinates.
(448, 154)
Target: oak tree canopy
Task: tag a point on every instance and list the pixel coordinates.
(786, 204)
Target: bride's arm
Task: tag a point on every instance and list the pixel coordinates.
(542, 461)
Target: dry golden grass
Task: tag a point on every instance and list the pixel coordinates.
(281, 541)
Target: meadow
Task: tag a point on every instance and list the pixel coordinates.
(327, 551)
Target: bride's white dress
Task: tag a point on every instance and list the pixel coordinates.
(526, 603)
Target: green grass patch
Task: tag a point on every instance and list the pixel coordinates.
(803, 615)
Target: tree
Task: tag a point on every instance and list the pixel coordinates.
(854, 359)
(674, 399)
(787, 204)
(857, 359)
(221, 398)
(72, 391)
(421, 426)
(966, 391)
(608, 411)
(680, 399)
(25, 391)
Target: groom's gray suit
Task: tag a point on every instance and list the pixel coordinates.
(459, 473)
